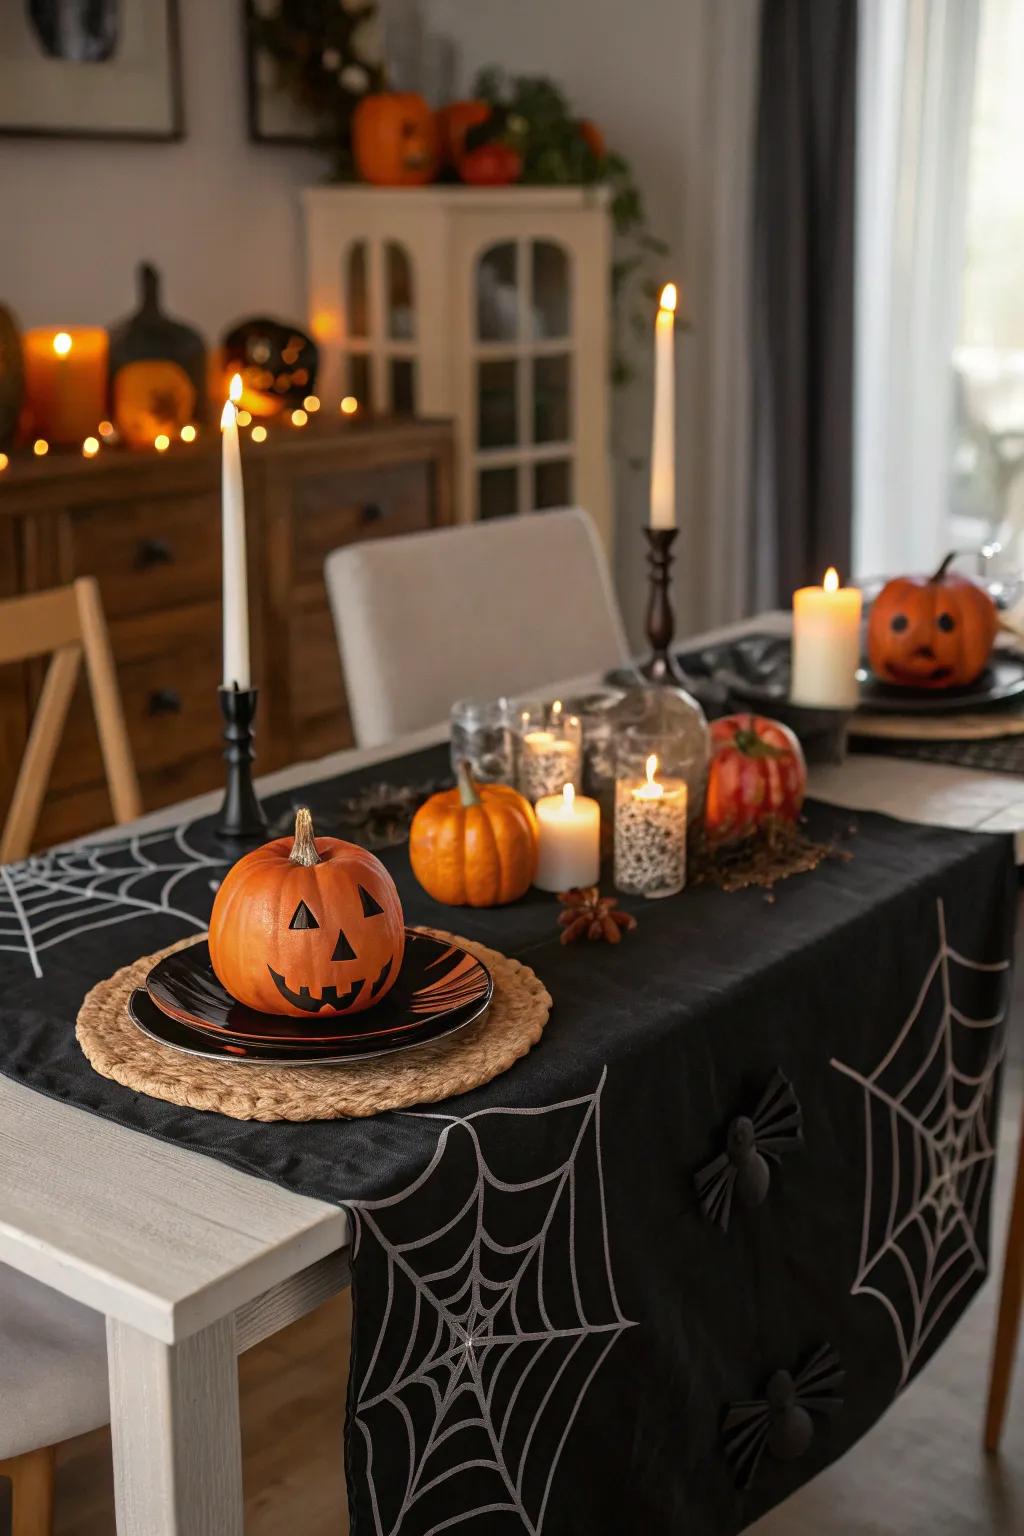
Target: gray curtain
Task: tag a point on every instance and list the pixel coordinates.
(803, 294)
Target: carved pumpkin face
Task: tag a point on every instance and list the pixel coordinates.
(303, 927)
(152, 397)
(278, 364)
(931, 633)
(395, 140)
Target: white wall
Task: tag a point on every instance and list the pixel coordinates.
(218, 215)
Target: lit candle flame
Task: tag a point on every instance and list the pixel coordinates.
(652, 767)
(227, 415)
(235, 388)
(62, 343)
(669, 299)
(568, 798)
(831, 582)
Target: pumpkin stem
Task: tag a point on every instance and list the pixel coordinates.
(944, 567)
(468, 792)
(753, 745)
(304, 847)
(149, 286)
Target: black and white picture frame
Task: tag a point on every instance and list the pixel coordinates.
(91, 69)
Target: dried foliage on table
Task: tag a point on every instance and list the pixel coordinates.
(378, 816)
(778, 850)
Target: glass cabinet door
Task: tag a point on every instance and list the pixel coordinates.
(524, 361)
(380, 330)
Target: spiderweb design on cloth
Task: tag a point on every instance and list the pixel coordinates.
(928, 1111)
(56, 896)
(484, 1347)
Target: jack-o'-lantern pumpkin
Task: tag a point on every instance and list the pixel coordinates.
(278, 364)
(307, 925)
(150, 398)
(395, 140)
(931, 632)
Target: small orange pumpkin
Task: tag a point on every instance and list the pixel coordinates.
(474, 846)
(395, 140)
(454, 122)
(304, 927)
(934, 632)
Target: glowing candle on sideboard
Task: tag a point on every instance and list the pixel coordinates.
(826, 644)
(65, 381)
(663, 439)
(235, 577)
(570, 841)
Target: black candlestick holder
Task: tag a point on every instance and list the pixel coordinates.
(661, 666)
(241, 815)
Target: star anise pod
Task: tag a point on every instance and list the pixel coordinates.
(587, 914)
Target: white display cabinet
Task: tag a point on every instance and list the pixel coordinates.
(487, 305)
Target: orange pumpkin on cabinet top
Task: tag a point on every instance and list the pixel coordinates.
(931, 632)
(305, 926)
(395, 140)
(476, 845)
(454, 122)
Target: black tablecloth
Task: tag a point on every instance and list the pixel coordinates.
(571, 1315)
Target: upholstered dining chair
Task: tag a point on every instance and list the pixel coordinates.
(53, 1385)
(67, 624)
(479, 610)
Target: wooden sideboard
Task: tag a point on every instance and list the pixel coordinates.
(147, 526)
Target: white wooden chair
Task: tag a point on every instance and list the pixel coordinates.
(53, 1385)
(476, 611)
(66, 623)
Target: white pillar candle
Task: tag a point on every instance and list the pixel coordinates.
(234, 573)
(663, 439)
(650, 834)
(570, 841)
(826, 645)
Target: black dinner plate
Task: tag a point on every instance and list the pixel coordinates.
(756, 670)
(439, 984)
(159, 1026)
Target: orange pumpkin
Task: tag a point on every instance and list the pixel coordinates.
(302, 926)
(152, 397)
(934, 632)
(455, 121)
(395, 140)
(594, 139)
(474, 846)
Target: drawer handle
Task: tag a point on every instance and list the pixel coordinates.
(165, 701)
(372, 512)
(154, 552)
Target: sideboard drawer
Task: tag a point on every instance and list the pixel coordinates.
(154, 553)
(334, 509)
(168, 670)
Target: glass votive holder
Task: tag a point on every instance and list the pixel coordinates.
(481, 734)
(650, 816)
(549, 750)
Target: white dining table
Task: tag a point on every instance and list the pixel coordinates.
(191, 1262)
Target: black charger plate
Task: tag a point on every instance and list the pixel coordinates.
(439, 984)
(180, 1037)
(756, 670)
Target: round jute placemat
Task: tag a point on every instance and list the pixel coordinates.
(117, 1048)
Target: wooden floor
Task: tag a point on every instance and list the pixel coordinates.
(921, 1472)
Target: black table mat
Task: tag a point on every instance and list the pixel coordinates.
(549, 1332)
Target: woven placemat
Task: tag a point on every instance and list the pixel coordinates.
(988, 725)
(117, 1048)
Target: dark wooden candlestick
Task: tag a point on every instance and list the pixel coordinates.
(661, 666)
(241, 815)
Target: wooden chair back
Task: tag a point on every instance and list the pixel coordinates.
(67, 624)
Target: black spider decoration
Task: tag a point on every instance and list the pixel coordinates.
(781, 1424)
(742, 1169)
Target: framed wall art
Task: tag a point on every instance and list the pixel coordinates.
(91, 69)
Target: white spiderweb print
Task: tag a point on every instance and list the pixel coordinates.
(928, 1148)
(485, 1346)
(56, 896)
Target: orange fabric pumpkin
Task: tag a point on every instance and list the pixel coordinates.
(302, 926)
(455, 121)
(152, 397)
(934, 632)
(474, 846)
(395, 140)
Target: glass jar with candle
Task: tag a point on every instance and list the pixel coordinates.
(549, 750)
(481, 734)
(650, 816)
